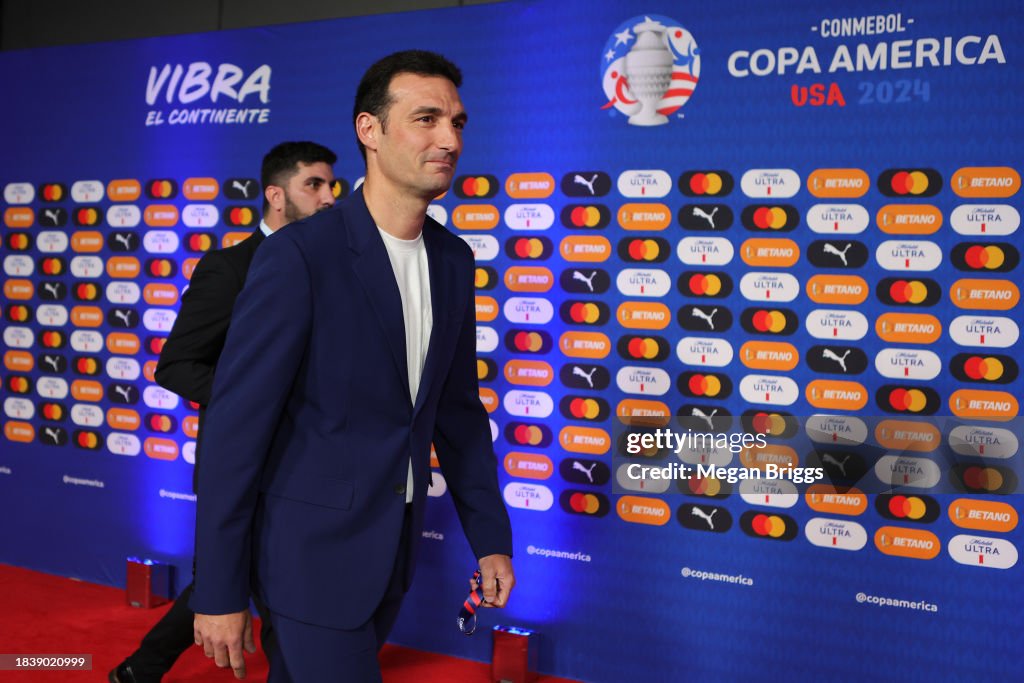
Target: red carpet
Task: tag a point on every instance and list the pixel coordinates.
(45, 614)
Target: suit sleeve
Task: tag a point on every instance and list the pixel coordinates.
(462, 439)
(189, 356)
(265, 344)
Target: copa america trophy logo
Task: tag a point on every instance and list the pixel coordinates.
(649, 69)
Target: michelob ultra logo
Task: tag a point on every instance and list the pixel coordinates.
(917, 364)
(18, 337)
(81, 266)
(528, 310)
(520, 278)
(903, 255)
(118, 292)
(636, 380)
(160, 241)
(983, 515)
(981, 551)
(910, 182)
(650, 184)
(704, 251)
(979, 441)
(997, 257)
(19, 408)
(528, 496)
(993, 295)
(985, 181)
(487, 339)
(585, 248)
(991, 332)
(17, 265)
(985, 220)
(641, 510)
(127, 216)
(908, 328)
(780, 287)
(901, 292)
(705, 217)
(975, 403)
(836, 394)
(838, 183)
(839, 430)
(767, 355)
(643, 282)
(586, 216)
(836, 324)
(848, 290)
(909, 219)
(776, 218)
(19, 193)
(904, 471)
(993, 479)
(86, 191)
(529, 185)
(770, 252)
(917, 508)
(704, 351)
(531, 404)
(476, 216)
(706, 183)
(476, 187)
(651, 217)
(836, 500)
(586, 184)
(200, 215)
(988, 368)
(913, 543)
(774, 183)
(710, 285)
(837, 253)
(769, 389)
(841, 534)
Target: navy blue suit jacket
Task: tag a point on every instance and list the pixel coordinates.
(310, 429)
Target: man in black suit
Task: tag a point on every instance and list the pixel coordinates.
(298, 181)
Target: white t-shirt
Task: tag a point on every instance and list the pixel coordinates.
(409, 262)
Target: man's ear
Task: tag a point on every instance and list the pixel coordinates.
(368, 129)
(274, 194)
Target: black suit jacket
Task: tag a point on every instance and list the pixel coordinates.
(189, 357)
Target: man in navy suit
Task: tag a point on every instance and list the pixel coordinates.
(350, 350)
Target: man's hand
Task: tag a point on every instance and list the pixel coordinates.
(497, 579)
(222, 636)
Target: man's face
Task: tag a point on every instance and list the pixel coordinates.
(308, 191)
(420, 142)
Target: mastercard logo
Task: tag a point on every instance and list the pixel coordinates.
(706, 183)
(637, 216)
(984, 515)
(983, 479)
(992, 295)
(585, 503)
(127, 190)
(53, 436)
(476, 187)
(527, 341)
(532, 279)
(649, 250)
(635, 347)
(529, 185)
(909, 328)
(52, 265)
(526, 434)
(476, 216)
(586, 216)
(836, 500)
(529, 373)
(992, 405)
(87, 216)
(985, 181)
(914, 182)
(776, 527)
(988, 368)
(705, 217)
(584, 376)
(18, 313)
(52, 339)
(838, 182)
(55, 412)
(201, 189)
(705, 487)
(585, 345)
(770, 217)
(589, 440)
(592, 409)
(922, 509)
(775, 424)
(837, 253)
(87, 365)
(902, 292)
(164, 424)
(639, 510)
(161, 188)
(907, 399)
(999, 257)
(584, 312)
(485, 278)
(909, 219)
(200, 242)
(917, 544)
(53, 192)
(710, 285)
(241, 216)
(123, 419)
(528, 248)
(585, 249)
(161, 267)
(86, 439)
(19, 384)
(765, 355)
(704, 385)
(19, 241)
(21, 290)
(486, 369)
(86, 291)
(769, 321)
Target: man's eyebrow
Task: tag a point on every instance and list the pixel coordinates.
(437, 111)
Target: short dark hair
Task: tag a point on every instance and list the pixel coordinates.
(373, 94)
(282, 162)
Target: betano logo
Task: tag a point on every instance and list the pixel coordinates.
(525, 279)
(589, 440)
(19, 361)
(585, 344)
(124, 419)
(836, 500)
(766, 355)
(844, 290)
(908, 328)
(836, 394)
(19, 290)
(706, 183)
(640, 510)
(983, 515)
(200, 189)
(640, 412)
(160, 215)
(640, 315)
(991, 405)
(909, 219)
(124, 190)
(585, 249)
(529, 185)
(486, 309)
(985, 181)
(476, 216)
(489, 399)
(992, 295)
(834, 183)
(19, 217)
(917, 544)
(529, 373)
(87, 390)
(653, 217)
(529, 465)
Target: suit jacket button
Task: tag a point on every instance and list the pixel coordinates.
(400, 489)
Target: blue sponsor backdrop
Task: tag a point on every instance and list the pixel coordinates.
(934, 89)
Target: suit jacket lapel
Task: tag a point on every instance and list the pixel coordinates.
(373, 268)
(440, 275)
